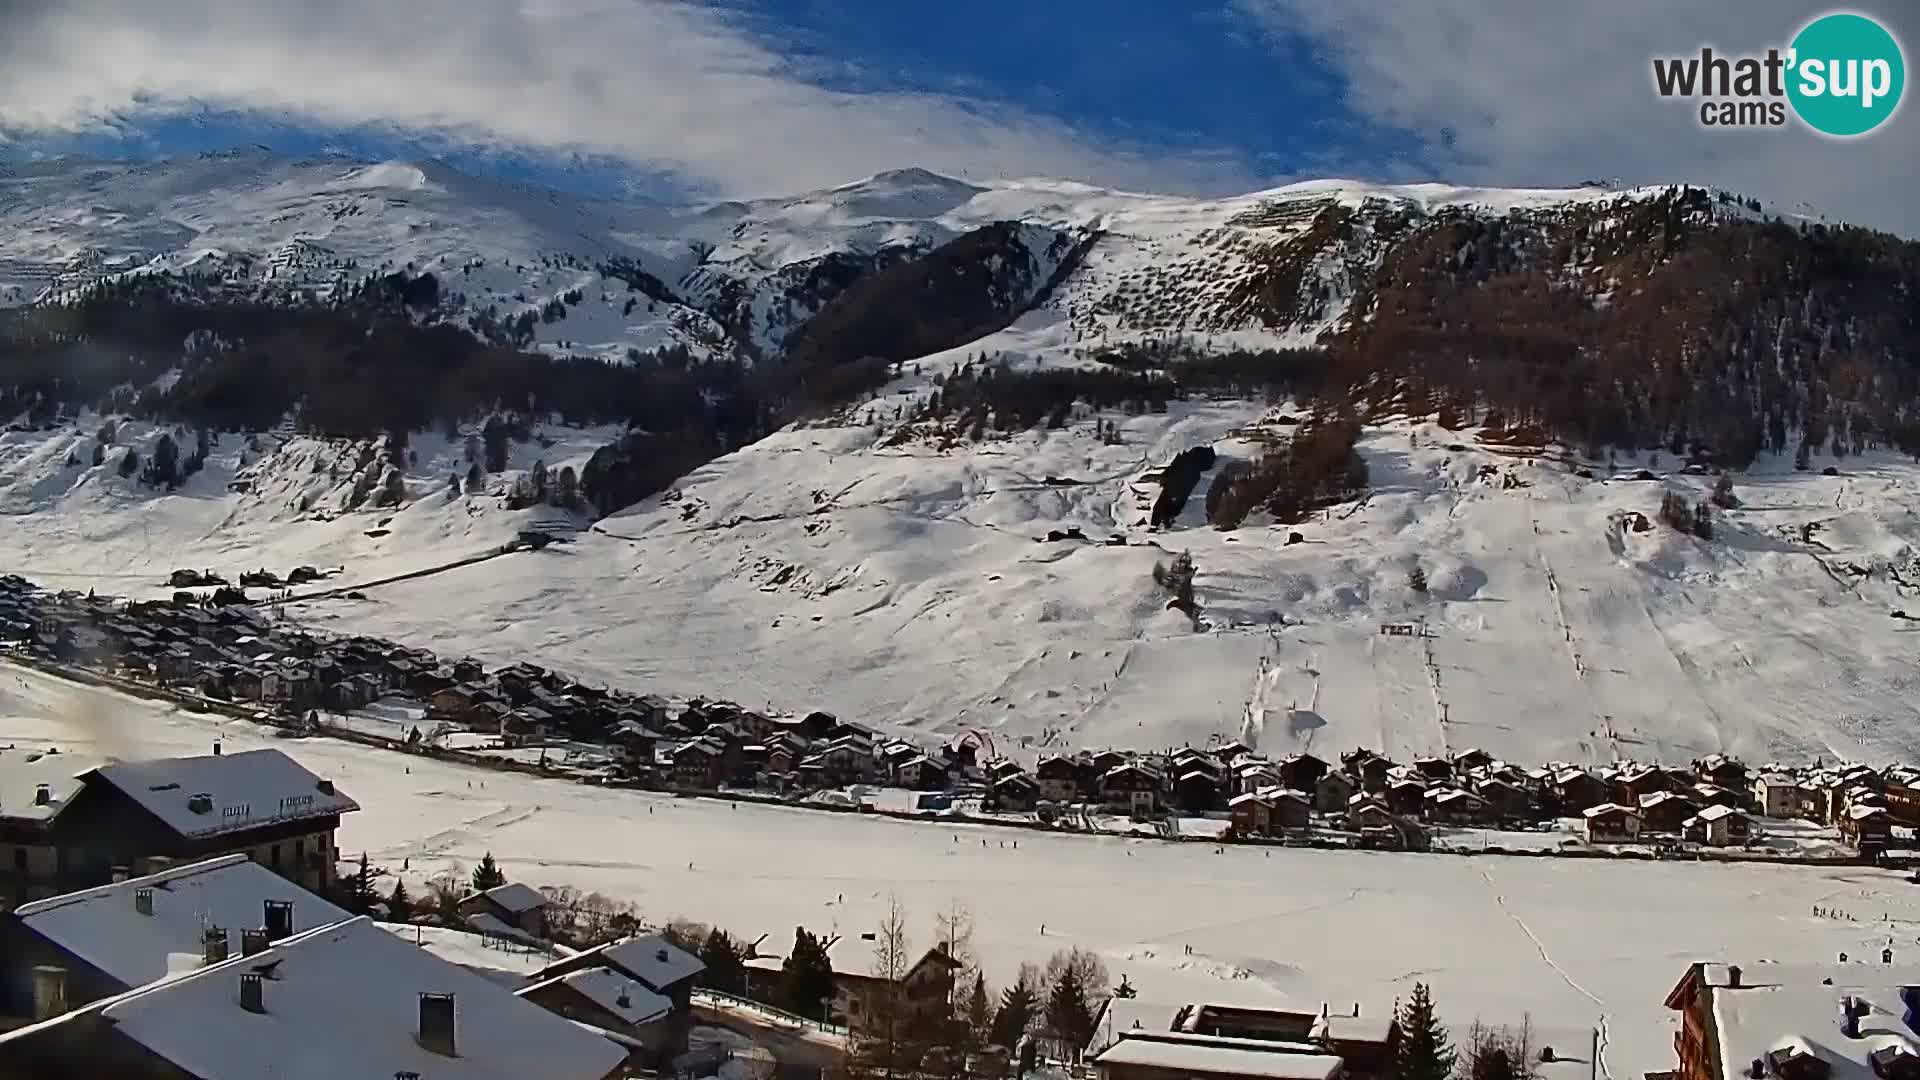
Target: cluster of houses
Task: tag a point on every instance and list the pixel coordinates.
(236, 653)
(160, 933)
(1715, 801)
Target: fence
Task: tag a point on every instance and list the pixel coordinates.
(722, 1000)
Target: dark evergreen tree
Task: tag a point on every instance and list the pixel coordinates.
(163, 469)
(725, 971)
(1417, 579)
(806, 977)
(1015, 1015)
(1723, 495)
(487, 875)
(399, 904)
(979, 1010)
(361, 893)
(1425, 1052)
(1069, 1013)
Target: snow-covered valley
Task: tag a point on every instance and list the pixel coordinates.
(1572, 945)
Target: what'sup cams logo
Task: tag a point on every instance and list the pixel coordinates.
(1842, 75)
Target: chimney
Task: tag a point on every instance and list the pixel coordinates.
(43, 795)
(436, 1024)
(121, 873)
(1849, 1019)
(216, 749)
(1843, 958)
(143, 900)
(325, 786)
(1758, 1069)
(49, 991)
(213, 945)
(1733, 976)
(279, 919)
(253, 942)
(200, 803)
(1886, 955)
(250, 998)
(623, 1000)
(661, 955)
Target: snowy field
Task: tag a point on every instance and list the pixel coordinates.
(1573, 943)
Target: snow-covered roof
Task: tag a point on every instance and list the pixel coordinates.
(104, 926)
(653, 960)
(1353, 1028)
(1861, 813)
(614, 992)
(22, 771)
(1788, 1008)
(1608, 808)
(344, 1000)
(512, 964)
(1215, 1056)
(515, 897)
(247, 790)
(1716, 812)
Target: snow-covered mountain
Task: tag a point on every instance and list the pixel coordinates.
(921, 568)
(725, 279)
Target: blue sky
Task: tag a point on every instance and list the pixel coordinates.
(674, 99)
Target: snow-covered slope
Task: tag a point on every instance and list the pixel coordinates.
(915, 587)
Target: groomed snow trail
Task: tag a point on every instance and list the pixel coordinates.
(1501, 900)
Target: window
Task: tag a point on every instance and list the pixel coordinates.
(276, 856)
(299, 852)
(20, 859)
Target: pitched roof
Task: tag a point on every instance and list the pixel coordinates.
(607, 988)
(652, 959)
(343, 1000)
(22, 771)
(104, 927)
(515, 897)
(248, 790)
(1718, 811)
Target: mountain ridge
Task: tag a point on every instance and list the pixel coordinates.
(921, 474)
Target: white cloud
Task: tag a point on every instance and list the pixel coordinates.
(1519, 94)
(664, 84)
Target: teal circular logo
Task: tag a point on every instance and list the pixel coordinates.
(1846, 75)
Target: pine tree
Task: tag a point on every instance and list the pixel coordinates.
(980, 1009)
(399, 904)
(1425, 1053)
(1417, 580)
(806, 978)
(1015, 1014)
(1723, 495)
(361, 893)
(164, 469)
(476, 481)
(725, 972)
(487, 875)
(1069, 1013)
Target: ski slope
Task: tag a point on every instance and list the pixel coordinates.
(912, 588)
(1571, 944)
